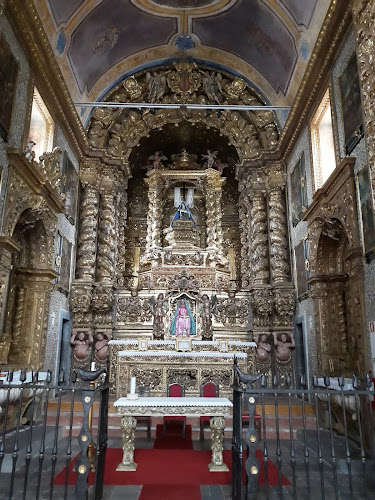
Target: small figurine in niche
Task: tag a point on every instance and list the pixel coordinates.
(158, 311)
(81, 342)
(183, 323)
(101, 345)
(283, 346)
(263, 347)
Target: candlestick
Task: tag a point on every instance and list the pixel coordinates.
(132, 385)
(93, 366)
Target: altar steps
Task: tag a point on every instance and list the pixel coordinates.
(114, 421)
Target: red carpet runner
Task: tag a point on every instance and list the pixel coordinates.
(168, 472)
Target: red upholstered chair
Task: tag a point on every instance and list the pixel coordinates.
(208, 390)
(175, 391)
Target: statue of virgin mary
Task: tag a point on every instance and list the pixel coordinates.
(183, 322)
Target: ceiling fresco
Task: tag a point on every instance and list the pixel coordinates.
(267, 42)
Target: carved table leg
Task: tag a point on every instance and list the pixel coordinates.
(217, 425)
(128, 425)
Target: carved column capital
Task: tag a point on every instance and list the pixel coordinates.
(90, 170)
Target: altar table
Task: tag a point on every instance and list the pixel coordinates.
(216, 408)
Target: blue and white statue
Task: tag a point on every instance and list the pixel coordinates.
(183, 206)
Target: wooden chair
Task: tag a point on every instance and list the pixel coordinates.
(175, 391)
(144, 391)
(207, 390)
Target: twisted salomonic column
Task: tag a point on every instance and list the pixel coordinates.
(364, 19)
(259, 237)
(244, 215)
(107, 229)
(278, 236)
(214, 183)
(155, 212)
(86, 253)
(121, 219)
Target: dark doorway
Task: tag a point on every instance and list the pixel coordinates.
(300, 359)
(65, 349)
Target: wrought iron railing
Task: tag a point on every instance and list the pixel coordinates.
(41, 455)
(315, 443)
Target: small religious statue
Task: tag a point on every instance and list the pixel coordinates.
(158, 311)
(81, 342)
(28, 151)
(156, 159)
(283, 346)
(183, 206)
(156, 86)
(205, 313)
(101, 345)
(212, 85)
(211, 158)
(183, 322)
(263, 347)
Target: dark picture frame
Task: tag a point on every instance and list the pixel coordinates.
(298, 188)
(351, 105)
(69, 187)
(8, 81)
(301, 253)
(367, 211)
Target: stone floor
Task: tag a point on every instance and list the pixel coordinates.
(303, 451)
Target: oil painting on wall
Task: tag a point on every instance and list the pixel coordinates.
(367, 211)
(298, 185)
(302, 268)
(8, 79)
(69, 188)
(351, 105)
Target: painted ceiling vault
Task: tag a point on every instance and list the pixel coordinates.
(267, 42)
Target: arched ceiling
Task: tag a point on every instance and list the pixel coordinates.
(268, 42)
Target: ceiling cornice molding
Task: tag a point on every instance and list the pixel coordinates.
(331, 35)
(29, 30)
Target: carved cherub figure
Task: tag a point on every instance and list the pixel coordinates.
(282, 346)
(211, 158)
(212, 85)
(263, 347)
(156, 86)
(156, 159)
(28, 151)
(81, 342)
(101, 345)
(158, 311)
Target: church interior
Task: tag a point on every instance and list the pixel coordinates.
(184, 183)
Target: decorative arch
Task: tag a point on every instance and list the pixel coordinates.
(117, 131)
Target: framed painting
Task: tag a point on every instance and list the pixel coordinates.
(298, 188)
(351, 105)
(367, 211)
(63, 262)
(8, 81)
(302, 268)
(69, 187)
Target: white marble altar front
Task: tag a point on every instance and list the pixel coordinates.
(216, 408)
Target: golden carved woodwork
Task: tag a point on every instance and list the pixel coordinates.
(364, 19)
(337, 274)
